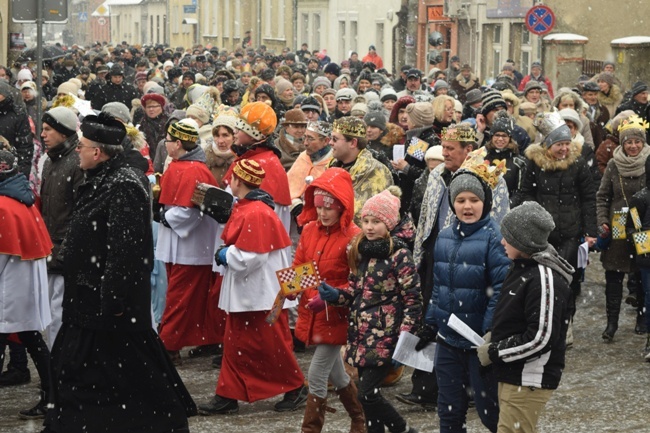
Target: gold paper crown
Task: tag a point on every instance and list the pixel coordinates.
(633, 122)
(489, 173)
(183, 132)
(350, 126)
(462, 132)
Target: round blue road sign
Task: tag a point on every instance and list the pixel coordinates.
(540, 20)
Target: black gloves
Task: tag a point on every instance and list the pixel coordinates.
(427, 335)
(163, 220)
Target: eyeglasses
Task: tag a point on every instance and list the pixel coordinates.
(79, 146)
(501, 136)
(149, 107)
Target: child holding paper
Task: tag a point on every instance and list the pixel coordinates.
(469, 267)
(383, 294)
(328, 229)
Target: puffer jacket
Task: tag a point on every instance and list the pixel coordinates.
(384, 300)
(327, 246)
(61, 179)
(470, 265)
(565, 188)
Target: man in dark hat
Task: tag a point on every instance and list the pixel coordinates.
(106, 345)
(413, 84)
(597, 114)
(637, 101)
(115, 90)
(400, 83)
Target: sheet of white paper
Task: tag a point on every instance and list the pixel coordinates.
(583, 255)
(459, 326)
(406, 354)
(398, 152)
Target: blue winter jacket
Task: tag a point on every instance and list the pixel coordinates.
(470, 265)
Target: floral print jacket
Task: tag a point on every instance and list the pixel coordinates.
(384, 299)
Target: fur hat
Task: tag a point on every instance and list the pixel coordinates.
(527, 227)
(250, 172)
(384, 206)
(421, 114)
(118, 110)
(104, 129)
(294, 116)
(62, 119)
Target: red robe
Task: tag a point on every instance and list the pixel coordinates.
(258, 360)
(275, 181)
(187, 320)
(23, 231)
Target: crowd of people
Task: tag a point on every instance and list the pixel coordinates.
(419, 196)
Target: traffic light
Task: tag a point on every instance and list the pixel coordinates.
(436, 39)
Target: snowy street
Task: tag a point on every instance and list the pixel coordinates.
(604, 387)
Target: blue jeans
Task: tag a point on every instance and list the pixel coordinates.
(459, 372)
(645, 279)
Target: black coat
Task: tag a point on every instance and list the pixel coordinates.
(109, 92)
(61, 179)
(415, 166)
(108, 252)
(516, 165)
(565, 189)
(14, 126)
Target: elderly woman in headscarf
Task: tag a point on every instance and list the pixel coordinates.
(610, 95)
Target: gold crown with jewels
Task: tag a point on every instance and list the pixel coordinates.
(488, 172)
(350, 126)
(462, 132)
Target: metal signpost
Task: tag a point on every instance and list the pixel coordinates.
(39, 12)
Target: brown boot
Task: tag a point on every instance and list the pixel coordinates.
(314, 414)
(350, 400)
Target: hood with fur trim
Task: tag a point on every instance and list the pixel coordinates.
(539, 155)
(393, 135)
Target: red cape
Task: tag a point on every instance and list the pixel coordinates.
(275, 181)
(254, 227)
(22, 231)
(179, 181)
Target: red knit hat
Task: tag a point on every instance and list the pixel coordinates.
(249, 171)
(324, 199)
(383, 206)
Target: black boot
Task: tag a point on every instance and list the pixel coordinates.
(646, 350)
(613, 296)
(640, 327)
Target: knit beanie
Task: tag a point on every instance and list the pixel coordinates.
(527, 227)
(24, 75)
(359, 109)
(198, 112)
(322, 81)
(639, 87)
(250, 172)
(503, 123)
(421, 114)
(384, 206)
(281, 85)
(492, 99)
(388, 93)
(466, 181)
(606, 77)
(8, 165)
(66, 88)
(632, 127)
(118, 110)
(473, 96)
(376, 119)
(62, 119)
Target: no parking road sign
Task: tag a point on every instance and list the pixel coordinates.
(540, 20)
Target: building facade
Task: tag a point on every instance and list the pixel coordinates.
(138, 22)
(4, 32)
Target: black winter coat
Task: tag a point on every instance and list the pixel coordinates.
(108, 252)
(61, 179)
(564, 188)
(14, 126)
(109, 92)
(415, 166)
(515, 163)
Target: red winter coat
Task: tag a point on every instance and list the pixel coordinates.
(327, 246)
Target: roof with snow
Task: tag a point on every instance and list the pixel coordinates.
(565, 37)
(632, 40)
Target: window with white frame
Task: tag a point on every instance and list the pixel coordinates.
(216, 11)
(281, 19)
(175, 21)
(496, 51)
(237, 19)
(226, 19)
(267, 18)
(354, 36)
(316, 31)
(342, 37)
(304, 28)
(526, 52)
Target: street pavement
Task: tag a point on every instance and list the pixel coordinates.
(604, 387)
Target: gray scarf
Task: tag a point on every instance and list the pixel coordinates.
(631, 166)
(549, 257)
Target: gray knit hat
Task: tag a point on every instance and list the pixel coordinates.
(527, 227)
(62, 119)
(118, 110)
(376, 119)
(466, 182)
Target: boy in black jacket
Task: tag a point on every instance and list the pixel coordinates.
(527, 342)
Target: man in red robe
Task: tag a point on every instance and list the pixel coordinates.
(258, 361)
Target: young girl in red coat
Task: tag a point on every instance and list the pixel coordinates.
(328, 229)
(383, 294)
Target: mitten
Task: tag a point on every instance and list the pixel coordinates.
(316, 304)
(328, 293)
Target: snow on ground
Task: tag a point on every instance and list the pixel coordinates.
(604, 388)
